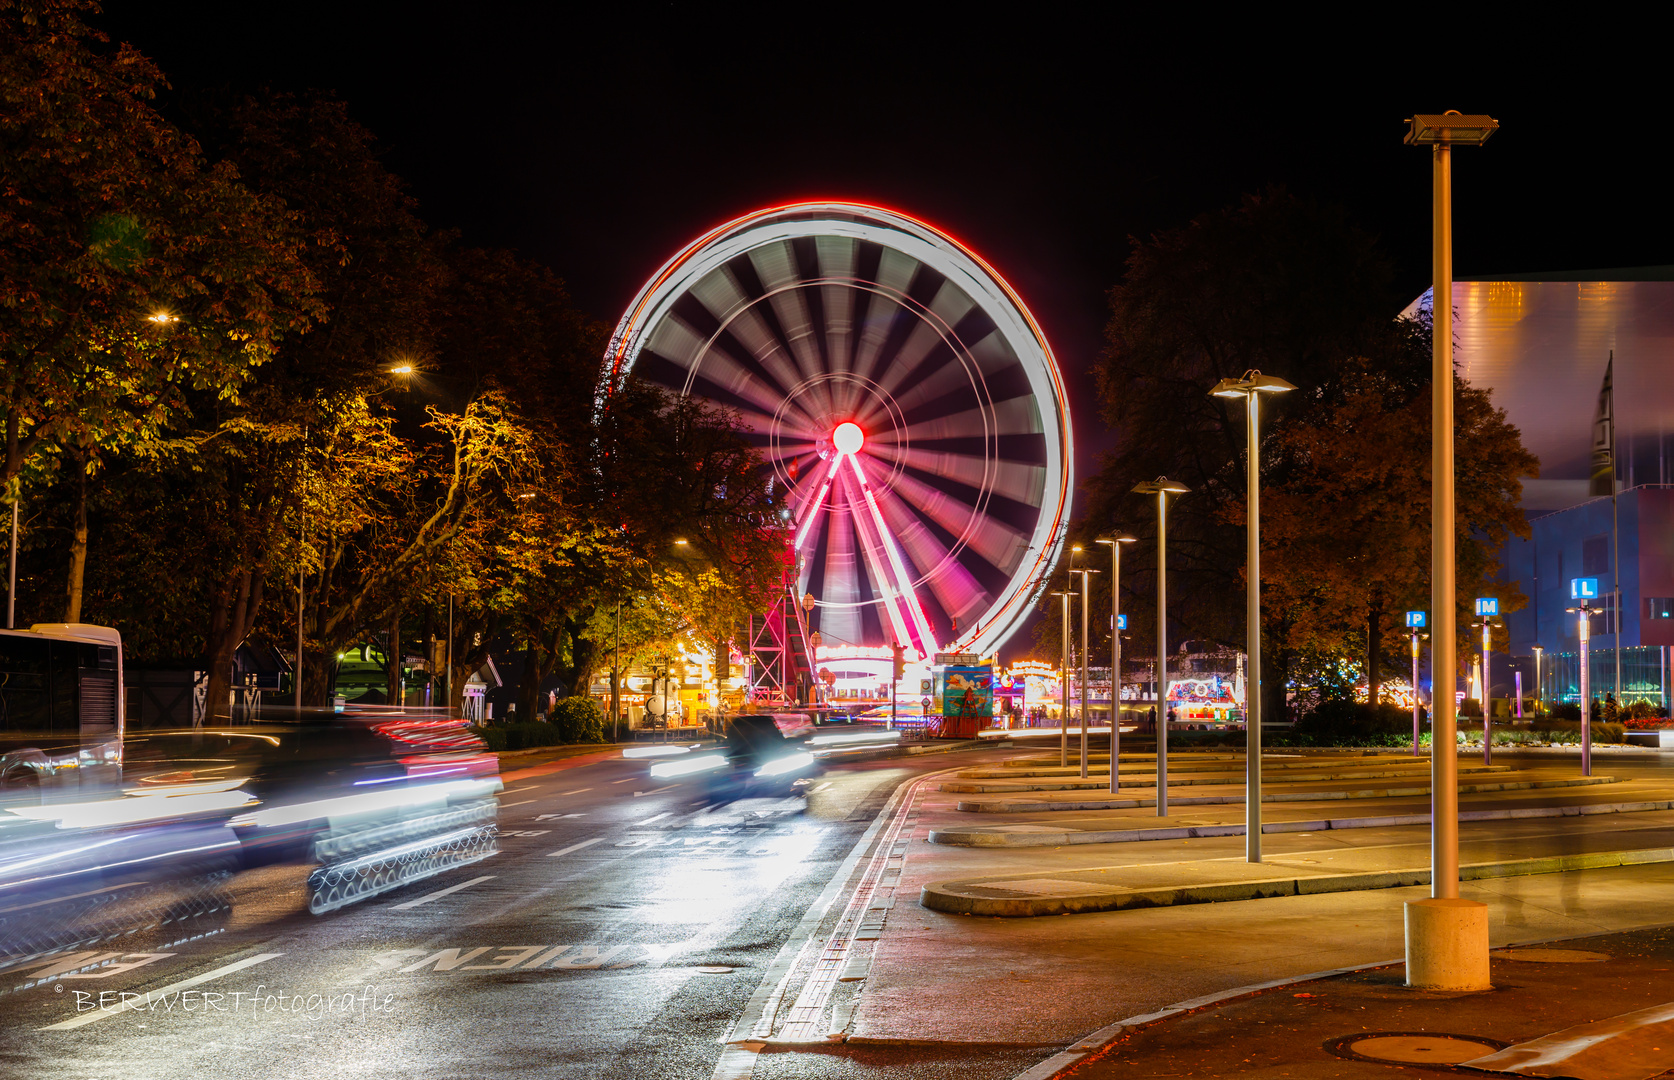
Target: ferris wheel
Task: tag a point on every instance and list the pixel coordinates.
(906, 401)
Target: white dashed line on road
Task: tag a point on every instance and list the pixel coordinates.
(627, 780)
(656, 791)
(577, 791)
(509, 805)
(656, 817)
(574, 847)
(520, 790)
(441, 893)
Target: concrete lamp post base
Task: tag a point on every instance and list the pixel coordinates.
(1447, 945)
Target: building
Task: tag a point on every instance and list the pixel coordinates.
(1542, 343)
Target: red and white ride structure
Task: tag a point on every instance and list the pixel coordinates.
(907, 402)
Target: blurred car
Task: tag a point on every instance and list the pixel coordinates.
(376, 798)
(755, 758)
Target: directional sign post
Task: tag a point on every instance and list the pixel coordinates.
(1486, 607)
(1583, 589)
(1415, 623)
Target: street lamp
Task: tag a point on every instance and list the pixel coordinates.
(1162, 487)
(1086, 588)
(1250, 388)
(1115, 543)
(1446, 937)
(1063, 684)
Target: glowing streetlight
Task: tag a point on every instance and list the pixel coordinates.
(1162, 487)
(1115, 653)
(1250, 388)
(161, 317)
(1446, 936)
(401, 369)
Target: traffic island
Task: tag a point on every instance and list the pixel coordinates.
(1118, 888)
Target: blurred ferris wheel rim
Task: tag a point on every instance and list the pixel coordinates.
(812, 317)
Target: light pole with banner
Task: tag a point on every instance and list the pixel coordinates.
(1540, 687)
(1415, 623)
(1250, 388)
(1118, 623)
(1162, 487)
(1446, 936)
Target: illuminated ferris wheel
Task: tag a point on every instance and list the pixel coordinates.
(907, 402)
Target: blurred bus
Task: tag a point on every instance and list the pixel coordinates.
(60, 711)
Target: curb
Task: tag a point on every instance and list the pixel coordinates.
(963, 897)
(1019, 806)
(1047, 836)
(1147, 779)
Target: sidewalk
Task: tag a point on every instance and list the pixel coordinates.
(1599, 1007)
(940, 978)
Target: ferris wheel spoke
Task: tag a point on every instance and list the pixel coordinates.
(980, 537)
(953, 587)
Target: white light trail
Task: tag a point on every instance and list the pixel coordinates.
(926, 640)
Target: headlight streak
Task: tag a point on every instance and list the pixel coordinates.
(789, 763)
(369, 802)
(130, 811)
(858, 737)
(666, 750)
(667, 770)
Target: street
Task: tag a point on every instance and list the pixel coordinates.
(618, 933)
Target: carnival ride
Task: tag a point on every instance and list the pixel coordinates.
(907, 403)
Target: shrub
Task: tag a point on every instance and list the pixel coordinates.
(1567, 710)
(1339, 722)
(1568, 733)
(519, 736)
(579, 720)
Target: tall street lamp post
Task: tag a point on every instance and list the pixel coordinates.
(1063, 683)
(1446, 936)
(1162, 487)
(1086, 587)
(1585, 590)
(1250, 388)
(1115, 543)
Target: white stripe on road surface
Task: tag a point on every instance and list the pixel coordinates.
(441, 893)
(520, 790)
(577, 791)
(656, 791)
(656, 817)
(628, 780)
(574, 847)
(509, 805)
(142, 1001)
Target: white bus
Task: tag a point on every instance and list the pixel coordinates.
(61, 716)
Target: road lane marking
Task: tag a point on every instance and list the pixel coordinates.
(655, 791)
(577, 791)
(656, 817)
(437, 895)
(526, 832)
(574, 847)
(627, 780)
(509, 805)
(151, 995)
(521, 790)
(555, 817)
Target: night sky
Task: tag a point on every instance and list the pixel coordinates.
(600, 140)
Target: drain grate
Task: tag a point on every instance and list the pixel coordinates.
(1412, 1047)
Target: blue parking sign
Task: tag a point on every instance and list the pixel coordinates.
(1121, 622)
(1487, 605)
(1583, 588)
(1415, 619)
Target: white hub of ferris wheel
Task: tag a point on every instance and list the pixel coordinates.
(906, 400)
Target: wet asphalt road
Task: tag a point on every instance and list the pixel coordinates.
(623, 927)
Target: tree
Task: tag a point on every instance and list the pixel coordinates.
(133, 272)
(1346, 540)
(1276, 284)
